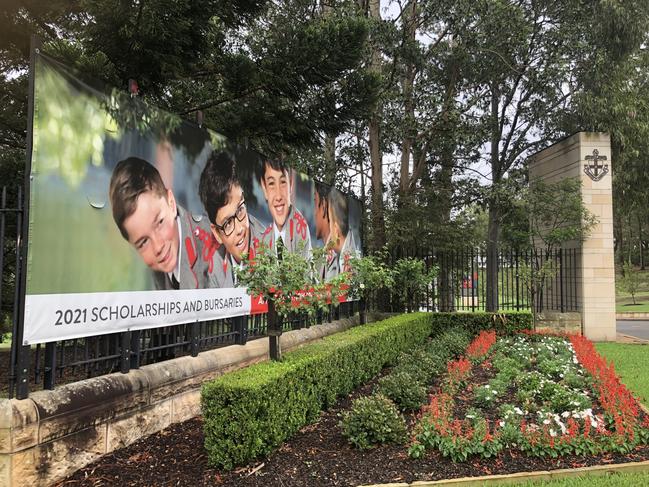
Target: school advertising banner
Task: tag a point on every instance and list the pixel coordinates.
(138, 219)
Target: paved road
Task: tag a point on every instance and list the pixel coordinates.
(635, 328)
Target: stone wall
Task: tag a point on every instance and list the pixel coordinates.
(53, 433)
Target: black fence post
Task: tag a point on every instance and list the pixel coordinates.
(194, 335)
(241, 327)
(135, 349)
(125, 352)
(274, 332)
(49, 377)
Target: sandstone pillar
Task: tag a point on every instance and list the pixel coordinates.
(587, 156)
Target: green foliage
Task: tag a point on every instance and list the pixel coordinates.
(404, 390)
(369, 274)
(249, 412)
(411, 279)
(450, 342)
(504, 323)
(373, 420)
(422, 364)
(630, 280)
(291, 282)
(557, 213)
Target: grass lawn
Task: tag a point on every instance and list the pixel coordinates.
(630, 363)
(621, 480)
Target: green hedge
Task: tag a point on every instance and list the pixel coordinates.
(249, 412)
(504, 323)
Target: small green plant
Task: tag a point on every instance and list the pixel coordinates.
(404, 390)
(373, 420)
(454, 342)
(421, 365)
(368, 274)
(411, 279)
(630, 281)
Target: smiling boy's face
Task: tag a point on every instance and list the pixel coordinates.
(153, 231)
(277, 192)
(238, 241)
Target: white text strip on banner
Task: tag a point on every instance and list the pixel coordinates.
(52, 317)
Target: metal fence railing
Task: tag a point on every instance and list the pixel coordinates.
(460, 285)
(25, 368)
(549, 278)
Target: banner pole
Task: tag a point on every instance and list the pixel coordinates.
(23, 359)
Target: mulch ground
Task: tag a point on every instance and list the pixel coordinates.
(317, 456)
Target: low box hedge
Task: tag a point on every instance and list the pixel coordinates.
(505, 323)
(249, 412)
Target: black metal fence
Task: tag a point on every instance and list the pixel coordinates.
(460, 285)
(25, 368)
(547, 278)
(71, 360)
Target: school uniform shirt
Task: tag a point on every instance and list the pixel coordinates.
(198, 255)
(223, 275)
(347, 251)
(331, 266)
(296, 234)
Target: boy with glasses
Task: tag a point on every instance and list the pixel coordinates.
(232, 225)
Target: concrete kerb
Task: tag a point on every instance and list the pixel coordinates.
(54, 433)
(520, 477)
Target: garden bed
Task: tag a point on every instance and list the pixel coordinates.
(320, 455)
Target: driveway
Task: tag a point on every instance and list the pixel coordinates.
(634, 328)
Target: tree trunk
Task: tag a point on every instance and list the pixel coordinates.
(410, 28)
(445, 184)
(330, 159)
(492, 259)
(376, 157)
(493, 229)
(640, 237)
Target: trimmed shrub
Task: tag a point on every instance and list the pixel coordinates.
(421, 365)
(505, 323)
(404, 390)
(373, 420)
(251, 411)
(450, 343)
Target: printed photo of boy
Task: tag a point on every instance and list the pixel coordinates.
(329, 268)
(237, 230)
(342, 238)
(289, 224)
(180, 252)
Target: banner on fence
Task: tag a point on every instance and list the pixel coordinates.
(138, 219)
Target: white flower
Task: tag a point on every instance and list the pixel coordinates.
(501, 423)
(565, 414)
(546, 421)
(362, 286)
(553, 433)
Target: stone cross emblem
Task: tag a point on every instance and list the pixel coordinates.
(595, 168)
